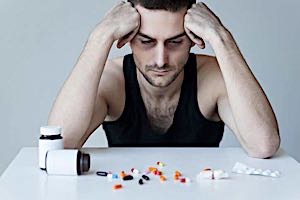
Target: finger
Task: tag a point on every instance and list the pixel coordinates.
(197, 40)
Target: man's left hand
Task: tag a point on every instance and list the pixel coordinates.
(201, 24)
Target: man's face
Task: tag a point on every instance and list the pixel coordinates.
(161, 47)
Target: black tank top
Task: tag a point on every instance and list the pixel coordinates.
(189, 128)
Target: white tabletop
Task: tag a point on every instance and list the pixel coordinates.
(24, 180)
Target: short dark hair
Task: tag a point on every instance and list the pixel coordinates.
(168, 5)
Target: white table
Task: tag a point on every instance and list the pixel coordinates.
(24, 180)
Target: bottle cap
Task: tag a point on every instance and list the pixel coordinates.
(85, 162)
(50, 130)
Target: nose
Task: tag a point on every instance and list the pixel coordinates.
(161, 57)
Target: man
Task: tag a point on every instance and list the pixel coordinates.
(161, 94)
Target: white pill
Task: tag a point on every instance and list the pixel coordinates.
(274, 175)
(266, 172)
(220, 174)
(205, 175)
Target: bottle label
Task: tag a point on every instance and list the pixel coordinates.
(46, 145)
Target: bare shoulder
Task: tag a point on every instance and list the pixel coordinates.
(112, 87)
(210, 85)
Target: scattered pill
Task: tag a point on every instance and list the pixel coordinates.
(177, 173)
(115, 176)
(135, 171)
(176, 177)
(117, 186)
(122, 174)
(162, 178)
(141, 182)
(109, 176)
(182, 180)
(160, 164)
(127, 177)
(101, 173)
(146, 177)
(151, 169)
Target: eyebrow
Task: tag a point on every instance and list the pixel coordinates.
(171, 38)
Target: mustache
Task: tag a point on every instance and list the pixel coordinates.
(157, 68)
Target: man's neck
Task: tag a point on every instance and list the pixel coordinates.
(160, 93)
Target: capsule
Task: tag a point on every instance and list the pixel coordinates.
(117, 186)
(127, 177)
(135, 171)
(101, 173)
(146, 177)
(141, 182)
(182, 180)
(157, 173)
(151, 169)
(115, 176)
(177, 173)
(122, 174)
(162, 178)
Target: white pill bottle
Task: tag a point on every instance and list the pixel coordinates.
(50, 139)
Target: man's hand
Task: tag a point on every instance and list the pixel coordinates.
(123, 20)
(201, 24)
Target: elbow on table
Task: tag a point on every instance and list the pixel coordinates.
(266, 149)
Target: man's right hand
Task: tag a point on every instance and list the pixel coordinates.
(123, 20)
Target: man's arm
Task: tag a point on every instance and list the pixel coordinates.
(242, 104)
(81, 106)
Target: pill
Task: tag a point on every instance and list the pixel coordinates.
(127, 177)
(135, 171)
(109, 176)
(160, 164)
(151, 169)
(266, 172)
(187, 180)
(158, 173)
(220, 174)
(101, 173)
(122, 174)
(182, 180)
(177, 173)
(146, 177)
(206, 169)
(115, 176)
(176, 177)
(117, 186)
(141, 182)
(162, 178)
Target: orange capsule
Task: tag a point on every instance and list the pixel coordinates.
(162, 178)
(117, 186)
(151, 169)
(122, 174)
(176, 177)
(177, 173)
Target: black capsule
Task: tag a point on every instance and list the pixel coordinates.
(127, 178)
(141, 182)
(100, 173)
(146, 177)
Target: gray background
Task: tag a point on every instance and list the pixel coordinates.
(40, 42)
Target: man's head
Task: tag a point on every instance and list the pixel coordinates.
(161, 46)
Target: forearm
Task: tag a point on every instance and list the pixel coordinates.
(252, 111)
(73, 107)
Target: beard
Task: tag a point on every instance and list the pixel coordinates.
(164, 81)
